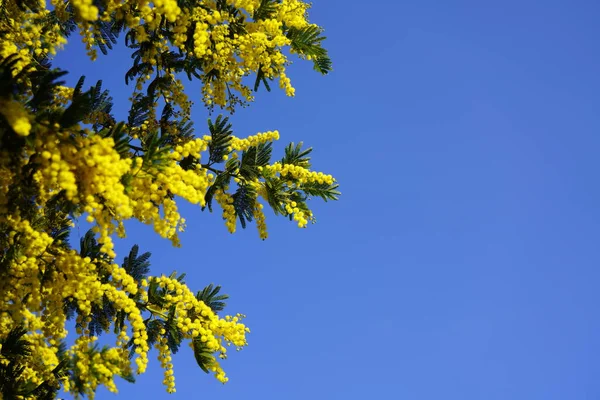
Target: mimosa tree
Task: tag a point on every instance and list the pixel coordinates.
(64, 156)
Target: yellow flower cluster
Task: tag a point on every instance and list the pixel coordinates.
(41, 274)
(32, 246)
(6, 180)
(27, 34)
(229, 56)
(76, 278)
(298, 215)
(201, 39)
(63, 95)
(248, 5)
(168, 8)
(164, 356)
(169, 223)
(286, 84)
(17, 117)
(91, 172)
(55, 173)
(151, 186)
(293, 13)
(9, 48)
(259, 217)
(299, 173)
(225, 200)
(97, 368)
(177, 96)
(99, 170)
(244, 144)
(85, 10)
(44, 360)
(258, 46)
(69, 277)
(180, 31)
(87, 36)
(197, 320)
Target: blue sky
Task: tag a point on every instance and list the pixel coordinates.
(462, 260)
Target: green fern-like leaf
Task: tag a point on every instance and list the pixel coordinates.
(307, 41)
(243, 203)
(78, 86)
(185, 129)
(322, 64)
(106, 34)
(101, 316)
(211, 297)
(141, 110)
(137, 266)
(9, 85)
(24, 5)
(203, 356)
(156, 294)
(138, 69)
(44, 85)
(276, 194)
(221, 181)
(155, 150)
(220, 132)
(160, 83)
(95, 100)
(253, 158)
(119, 134)
(260, 77)
(81, 106)
(265, 10)
(294, 155)
(322, 190)
(153, 328)
(173, 333)
(14, 345)
(89, 247)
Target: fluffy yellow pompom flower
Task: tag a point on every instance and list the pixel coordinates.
(17, 117)
(86, 10)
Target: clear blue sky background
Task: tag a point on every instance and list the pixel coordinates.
(462, 261)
